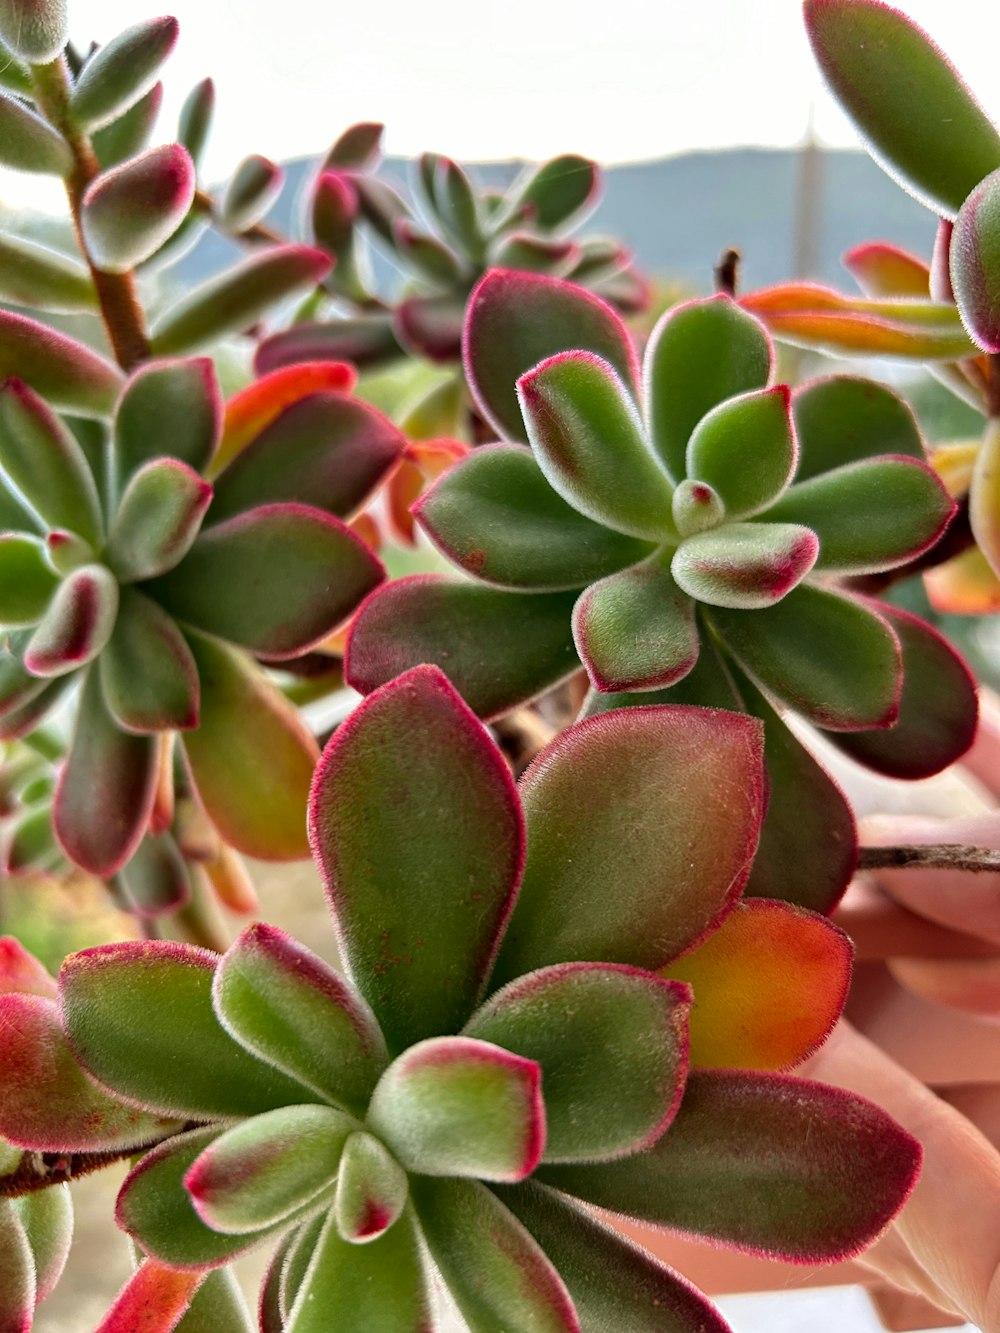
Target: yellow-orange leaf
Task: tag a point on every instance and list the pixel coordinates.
(954, 464)
(964, 586)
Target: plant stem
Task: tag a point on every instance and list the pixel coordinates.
(204, 204)
(934, 856)
(117, 293)
(727, 272)
(40, 1170)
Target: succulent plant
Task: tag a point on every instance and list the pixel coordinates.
(537, 1013)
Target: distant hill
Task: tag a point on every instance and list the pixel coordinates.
(679, 213)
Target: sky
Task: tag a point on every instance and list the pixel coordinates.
(618, 80)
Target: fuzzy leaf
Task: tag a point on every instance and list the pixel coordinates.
(32, 704)
(237, 298)
(420, 856)
(33, 275)
(156, 879)
(496, 1272)
(275, 996)
(372, 1190)
(843, 419)
(256, 408)
(46, 463)
(252, 189)
(457, 208)
(26, 580)
(984, 495)
(431, 326)
(366, 340)
(381, 206)
(275, 579)
(130, 210)
(253, 781)
(153, 1300)
(964, 585)
(699, 355)
(587, 437)
(498, 648)
(48, 1103)
(121, 71)
(158, 519)
(21, 973)
(194, 124)
(77, 624)
(333, 212)
(745, 449)
(326, 450)
(613, 1283)
(871, 515)
(148, 673)
(169, 409)
(497, 517)
(35, 30)
(975, 262)
(886, 270)
(139, 1018)
(766, 1163)
(939, 145)
(14, 75)
(18, 1292)
(453, 1106)
(427, 254)
(218, 1307)
(516, 320)
(359, 148)
(128, 134)
(612, 1046)
(47, 1219)
(559, 191)
(29, 143)
(642, 824)
(635, 630)
(69, 376)
(937, 708)
(534, 254)
(822, 653)
(746, 566)
(266, 1168)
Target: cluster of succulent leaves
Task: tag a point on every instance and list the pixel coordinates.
(684, 530)
(943, 149)
(539, 1011)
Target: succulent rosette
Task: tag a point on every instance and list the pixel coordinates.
(682, 527)
(546, 991)
(149, 570)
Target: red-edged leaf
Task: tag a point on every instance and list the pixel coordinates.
(168, 409)
(372, 1189)
(746, 566)
(843, 419)
(975, 262)
(253, 188)
(21, 973)
(129, 211)
(153, 1300)
(367, 340)
(254, 408)
(147, 669)
(34, 29)
(158, 519)
(745, 449)
(69, 376)
(47, 1218)
(27, 582)
(18, 1290)
(431, 326)
(156, 879)
(77, 624)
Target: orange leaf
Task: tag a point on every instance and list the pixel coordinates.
(964, 586)
(423, 462)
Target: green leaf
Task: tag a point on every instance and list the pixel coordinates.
(169, 409)
(843, 419)
(29, 143)
(155, 880)
(238, 298)
(69, 376)
(766, 1163)
(457, 208)
(129, 211)
(275, 579)
(158, 519)
(415, 825)
(32, 704)
(17, 1296)
(121, 71)
(587, 437)
(709, 684)
(47, 1218)
(536, 254)
(495, 515)
(14, 76)
(36, 30)
(77, 624)
(612, 1046)
(253, 781)
(372, 1190)
(365, 340)
(497, 648)
(642, 824)
(744, 448)
(43, 460)
(559, 192)
(26, 580)
(822, 653)
(288, 1007)
(938, 145)
(516, 320)
(699, 354)
(635, 630)
(252, 189)
(217, 1307)
(425, 253)
(129, 133)
(33, 275)
(139, 1017)
(975, 263)
(265, 1169)
(746, 566)
(498, 1275)
(359, 148)
(148, 672)
(195, 121)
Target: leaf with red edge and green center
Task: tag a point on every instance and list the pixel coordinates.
(158, 519)
(21, 973)
(68, 375)
(455, 1106)
(498, 648)
(106, 788)
(496, 1271)
(27, 582)
(168, 409)
(139, 1018)
(17, 1263)
(939, 145)
(153, 1300)
(252, 780)
(495, 516)
(767, 1163)
(822, 653)
(586, 434)
(275, 997)
(364, 340)
(47, 1219)
(938, 708)
(559, 190)
(265, 1169)
(415, 824)
(870, 515)
(156, 879)
(642, 825)
(254, 409)
(276, 579)
(515, 320)
(147, 669)
(635, 630)
(886, 270)
(32, 705)
(745, 449)
(77, 624)
(746, 566)
(843, 419)
(975, 262)
(47, 1102)
(381, 1285)
(43, 459)
(300, 1251)
(129, 211)
(612, 1045)
(768, 986)
(431, 326)
(326, 450)
(699, 355)
(613, 1283)
(372, 1189)
(709, 684)
(270, 1317)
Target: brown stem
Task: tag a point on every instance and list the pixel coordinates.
(521, 734)
(938, 856)
(40, 1170)
(727, 272)
(204, 204)
(117, 293)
